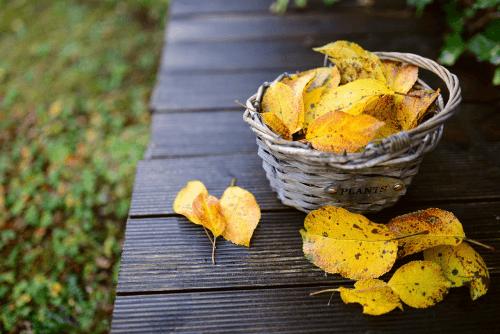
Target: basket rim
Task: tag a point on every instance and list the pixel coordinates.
(404, 146)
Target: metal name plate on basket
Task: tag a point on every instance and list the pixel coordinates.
(366, 190)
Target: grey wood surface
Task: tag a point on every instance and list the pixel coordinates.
(219, 51)
(297, 26)
(202, 90)
(292, 310)
(171, 254)
(284, 55)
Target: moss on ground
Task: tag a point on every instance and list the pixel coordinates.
(75, 79)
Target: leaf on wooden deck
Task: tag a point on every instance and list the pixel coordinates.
(419, 284)
(339, 241)
(441, 227)
(242, 214)
(374, 295)
(183, 203)
(461, 265)
(208, 212)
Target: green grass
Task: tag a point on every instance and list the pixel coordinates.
(75, 79)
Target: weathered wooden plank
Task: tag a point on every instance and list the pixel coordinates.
(292, 310)
(171, 254)
(446, 174)
(285, 55)
(199, 133)
(196, 7)
(465, 165)
(158, 181)
(221, 132)
(206, 91)
(262, 27)
(215, 91)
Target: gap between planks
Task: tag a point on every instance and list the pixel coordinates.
(492, 200)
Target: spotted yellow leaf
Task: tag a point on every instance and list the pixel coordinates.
(338, 132)
(400, 76)
(441, 227)
(383, 109)
(276, 124)
(209, 213)
(351, 98)
(339, 241)
(353, 61)
(325, 79)
(280, 100)
(413, 107)
(461, 265)
(419, 284)
(242, 214)
(298, 83)
(374, 295)
(183, 203)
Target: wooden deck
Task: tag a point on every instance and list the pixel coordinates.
(219, 51)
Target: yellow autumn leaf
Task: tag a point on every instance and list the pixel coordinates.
(352, 98)
(353, 61)
(276, 124)
(461, 265)
(208, 212)
(338, 132)
(383, 109)
(400, 76)
(441, 227)
(55, 108)
(339, 241)
(280, 99)
(183, 203)
(298, 84)
(299, 81)
(325, 79)
(413, 107)
(419, 284)
(375, 295)
(242, 214)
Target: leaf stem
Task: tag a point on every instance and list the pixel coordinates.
(213, 251)
(478, 243)
(212, 241)
(208, 235)
(330, 300)
(323, 291)
(411, 235)
(233, 182)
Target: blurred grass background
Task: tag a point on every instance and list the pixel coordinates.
(75, 79)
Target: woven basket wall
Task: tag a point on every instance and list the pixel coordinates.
(368, 181)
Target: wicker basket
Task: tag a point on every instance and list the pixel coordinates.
(368, 181)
